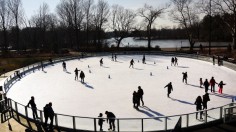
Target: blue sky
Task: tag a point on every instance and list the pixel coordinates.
(31, 7)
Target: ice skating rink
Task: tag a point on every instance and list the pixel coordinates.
(100, 93)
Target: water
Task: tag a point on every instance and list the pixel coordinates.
(130, 42)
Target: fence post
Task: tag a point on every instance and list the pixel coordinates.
(95, 125)
(165, 123)
(142, 124)
(26, 111)
(205, 111)
(56, 120)
(118, 125)
(221, 112)
(187, 120)
(74, 125)
(224, 115)
(41, 115)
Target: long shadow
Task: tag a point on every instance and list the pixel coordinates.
(44, 71)
(150, 64)
(118, 61)
(68, 72)
(149, 114)
(227, 96)
(88, 86)
(182, 101)
(183, 66)
(194, 86)
(154, 112)
(137, 69)
(105, 67)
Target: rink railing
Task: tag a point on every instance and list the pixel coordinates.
(21, 112)
(137, 123)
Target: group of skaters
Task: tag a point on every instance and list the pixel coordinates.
(113, 57)
(201, 104)
(212, 84)
(174, 61)
(48, 112)
(137, 97)
(219, 60)
(82, 75)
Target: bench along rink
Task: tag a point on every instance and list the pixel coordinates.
(100, 93)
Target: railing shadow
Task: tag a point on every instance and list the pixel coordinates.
(182, 101)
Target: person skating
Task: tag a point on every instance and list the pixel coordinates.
(206, 85)
(169, 89)
(82, 76)
(100, 121)
(201, 83)
(131, 63)
(112, 57)
(176, 61)
(221, 84)
(212, 83)
(76, 73)
(144, 59)
(33, 107)
(205, 99)
(198, 104)
(115, 57)
(101, 62)
(213, 60)
(135, 100)
(64, 65)
(172, 61)
(185, 76)
(140, 94)
(111, 118)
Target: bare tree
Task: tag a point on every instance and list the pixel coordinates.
(184, 13)
(101, 15)
(88, 10)
(150, 14)
(16, 10)
(227, 10)
(122, 22)
(4, 23)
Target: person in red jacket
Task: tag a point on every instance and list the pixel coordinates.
(212, 83)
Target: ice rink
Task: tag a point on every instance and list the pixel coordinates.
(100, 93)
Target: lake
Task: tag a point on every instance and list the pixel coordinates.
(130, 42)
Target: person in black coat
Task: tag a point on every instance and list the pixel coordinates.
(33, 107)
(140, 94)
(100, 121)
(185, 76)
(169, 89)
(205, 99)
(206, 85)
(46, 114)
(131, 63)
(144, 59)
(101, 62)
(111, 117)
(198, 104)
(82, 76)
(76, 73)
(51, 114)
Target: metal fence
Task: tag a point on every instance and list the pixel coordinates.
(122, 124)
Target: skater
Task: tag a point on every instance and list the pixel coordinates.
(185, 76)
(143, 60)
(82, 76)
(212, 83)
(42, 66)
(169, 89)
(46, 114)
(198, 103)
(172, 61)
(112, 57)
(221, 87)
(76, 73)
(218, 58)
(111, 117)
(115, 58)
(64, 66)
(100, 121)
(33, 107)
(213, 59)
(206, 85)
(135, 100)
(131, 63)
(176, 61)
(101, 62)
(51, 115)
(201, 83)
(140, 94)
(205, 99)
